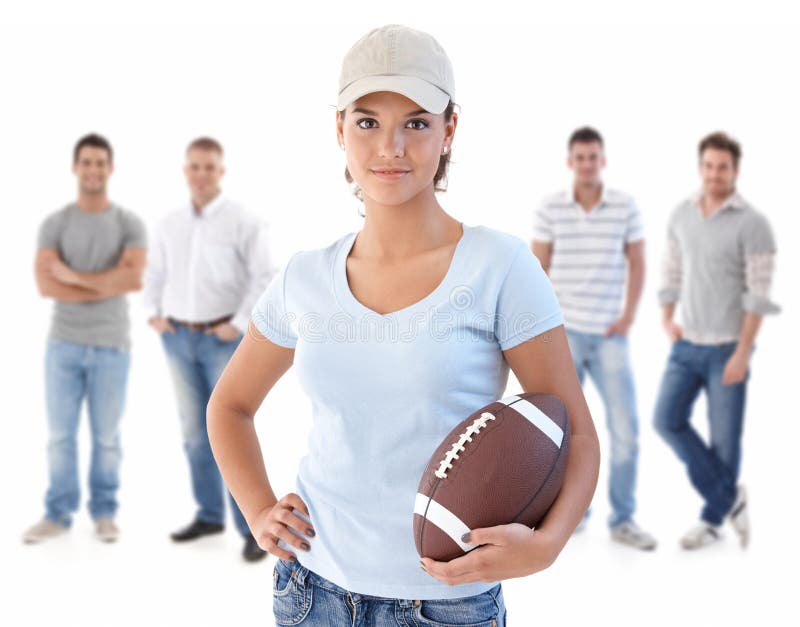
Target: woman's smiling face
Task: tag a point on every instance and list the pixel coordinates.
(393, 146)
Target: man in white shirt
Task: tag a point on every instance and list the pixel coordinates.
(590, 242)
(209, 264)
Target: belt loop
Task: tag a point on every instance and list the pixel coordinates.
(300, 574)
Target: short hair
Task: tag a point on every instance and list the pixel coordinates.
(205, 143)
(721, 141)
(584, 135)
(95, 140)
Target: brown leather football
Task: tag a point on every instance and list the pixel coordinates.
(503, 464)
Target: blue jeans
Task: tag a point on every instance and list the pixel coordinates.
(713, 468)
(606, 360)
(301, 597)
(196, 360)
(99, 374)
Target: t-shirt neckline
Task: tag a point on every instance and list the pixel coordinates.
(108, 209)
(353, 305)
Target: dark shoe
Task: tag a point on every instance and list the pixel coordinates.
(196, 530)
(252, 552)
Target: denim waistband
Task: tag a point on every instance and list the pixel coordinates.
(303, 575)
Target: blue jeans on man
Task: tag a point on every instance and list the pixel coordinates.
(196, 360)
(607, 363)
(74, 372)
(713, 468)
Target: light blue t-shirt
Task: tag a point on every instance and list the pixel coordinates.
(385, 390)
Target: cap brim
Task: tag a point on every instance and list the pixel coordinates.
(425, 94)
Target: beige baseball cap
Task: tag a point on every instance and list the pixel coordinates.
(398, 59)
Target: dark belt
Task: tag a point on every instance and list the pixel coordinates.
(200, 326)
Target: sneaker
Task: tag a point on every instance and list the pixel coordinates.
(631, 534)
(43, 530)
(701, 535)
(739, 517)
(105, 529)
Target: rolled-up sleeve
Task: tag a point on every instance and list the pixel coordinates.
(759, 266)
(671, 270)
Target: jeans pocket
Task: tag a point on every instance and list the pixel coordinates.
(480, 610)
(292, 594)
(680, 347)
(234, 342)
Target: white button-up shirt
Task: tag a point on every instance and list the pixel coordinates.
(207, 266)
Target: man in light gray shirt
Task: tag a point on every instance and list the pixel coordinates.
(90, 254)
(718, 265)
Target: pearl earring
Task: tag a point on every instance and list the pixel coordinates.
(444, 150)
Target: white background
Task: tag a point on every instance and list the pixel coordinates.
(263, 82)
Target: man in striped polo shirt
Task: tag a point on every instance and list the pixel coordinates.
(718, 264)
(589, 240)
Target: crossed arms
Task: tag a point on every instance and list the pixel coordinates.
(58, 281)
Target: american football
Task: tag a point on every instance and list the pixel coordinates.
(503, 464)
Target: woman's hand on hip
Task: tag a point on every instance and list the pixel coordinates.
(279, 522)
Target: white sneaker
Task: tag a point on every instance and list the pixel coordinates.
(105, 529)
(43, 530)
(701, 535)
(739, 517)
(631, 534)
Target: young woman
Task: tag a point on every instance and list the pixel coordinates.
(398, 332)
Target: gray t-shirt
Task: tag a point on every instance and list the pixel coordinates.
(92, 242)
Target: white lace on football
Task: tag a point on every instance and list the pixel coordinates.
(477, 424)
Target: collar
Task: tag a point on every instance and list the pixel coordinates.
(604, 195)
(734, 201)
(210, 208)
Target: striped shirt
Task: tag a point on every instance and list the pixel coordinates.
(588, 265)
